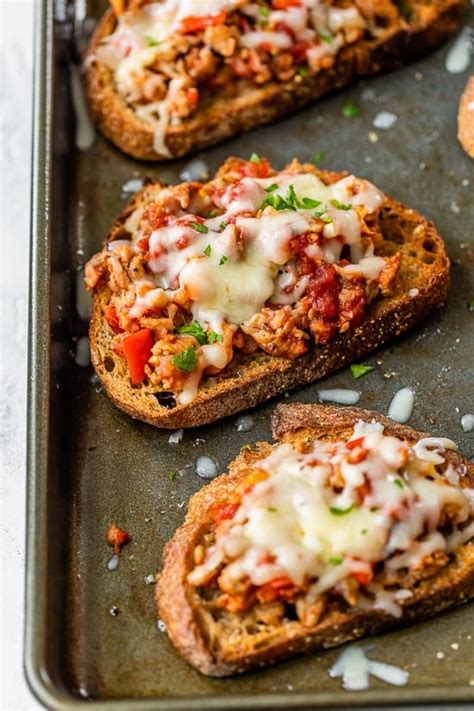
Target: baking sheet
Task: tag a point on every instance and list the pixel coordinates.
(90, 465)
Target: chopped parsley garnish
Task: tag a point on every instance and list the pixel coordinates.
(364, 531)
(194, 329)
(272, 509)
(340, 512)
(254, 158)
(260, 418)
(350, 110)
(405, 10)
(222, 226)
(271, 187)
(223, 260)
(290, 201)
(186, 360)
(200, 228)
(326, 219)
(208, 250)
(340, 205)
(359, 370)
(303, 71)
(151, 42)
(265, 11)
(309, 203)
(318, 157)
(399, 483)
(335, 561)
(171, 475)
(325, 38)
(470, 305)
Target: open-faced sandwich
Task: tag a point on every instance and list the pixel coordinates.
(210, 298)
(348, 526)
(166, 78)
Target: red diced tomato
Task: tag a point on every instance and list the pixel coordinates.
(355, 443)
(285, 4)
(198, 23)
(363, 577)
(260, 169)
(221, 512)
(112, 319)
(193, 95)
(143, 243)
(275, 590)
(137, 352)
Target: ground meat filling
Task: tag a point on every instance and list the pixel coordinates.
(237, 44)
(246, 263)
(282, 545)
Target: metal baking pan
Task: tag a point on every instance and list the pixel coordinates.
(90, 465)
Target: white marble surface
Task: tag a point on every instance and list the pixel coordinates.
(16, 49)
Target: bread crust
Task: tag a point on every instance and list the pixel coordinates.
(251, 380)
(177, 600)
(224, 117)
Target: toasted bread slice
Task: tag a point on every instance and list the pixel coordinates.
(407, 35)
(421, 286)
(466, 118)
(219, 642)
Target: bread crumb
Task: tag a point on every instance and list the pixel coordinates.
(455, 646)
(440, 655)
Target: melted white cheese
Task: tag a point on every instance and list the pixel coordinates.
(295, 524)
(142, 34)
(229, 274)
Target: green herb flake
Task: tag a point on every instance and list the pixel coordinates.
(318, 157)
(359, 370)
(214, 337)
(326, 219)
(325, 38)
(260, 418)
(364, 531)
(265, 11)
(246, 448)
(309, 203)
(335, 561)
(340, 512)
(150, 41)
(399, 483)
(470, 305)
(200, 228)
(222, 226)
(208, 250)
(350, 110)
(194, 329)
(272, 509)
(340, 205)
(254, 158)
(171, 475)
(186, 360)
(271, 188)
(223, 260)
(303, 71)
(405, 10)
